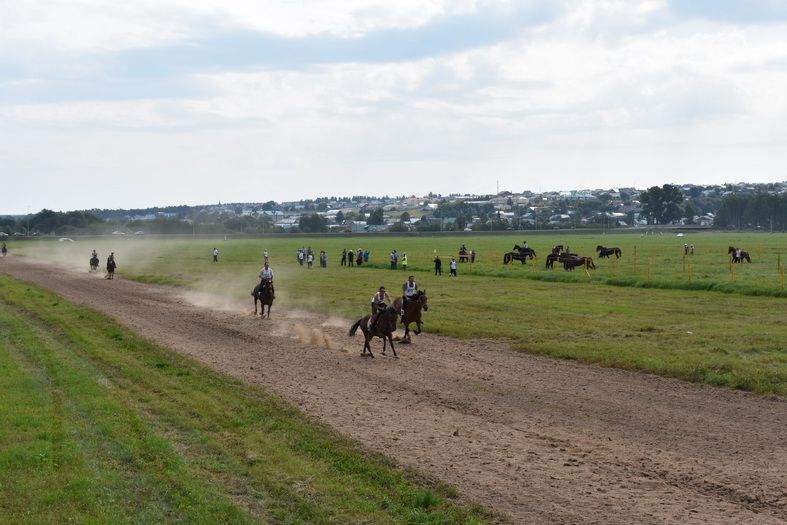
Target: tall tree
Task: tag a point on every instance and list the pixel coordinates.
(662, 205)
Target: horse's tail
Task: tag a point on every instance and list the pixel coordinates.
(354, 328)
(506, 258)
(590, 263)
(618, 253)
(747, 257)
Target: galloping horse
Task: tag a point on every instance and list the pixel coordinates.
(412, 313)
(738, 255)
(519, 253)
(111, 265)
(265, 297)
(575, 261)
(383, 328)
(94, 264)
(606, 252)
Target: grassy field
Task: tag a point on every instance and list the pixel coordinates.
(692, 322)
(100, 426)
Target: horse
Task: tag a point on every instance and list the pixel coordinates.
(557, 249)
(606, 252)
(412, 313)
(519, 253)
(94, 264)
(4, 250)
(384, 329)
(575, 261)
(265, 297)
(463, 256)
(111, 265)
(557, 257)
(734, 254)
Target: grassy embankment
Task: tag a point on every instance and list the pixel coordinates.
(734, 339)
(99, 426)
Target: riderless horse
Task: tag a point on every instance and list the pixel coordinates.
(606, 252)
(574, 261)
(264, 295)
(738, 255)
(383, 328)
(412, 312)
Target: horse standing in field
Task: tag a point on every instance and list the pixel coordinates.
(575, 261)
(264, 295)
(383, 328)
(519, 253)
(412, 312)
(94, 264)
(606, 252)
(738, 255)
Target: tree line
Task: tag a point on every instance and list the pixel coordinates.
(761, 211)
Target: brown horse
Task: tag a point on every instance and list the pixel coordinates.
(738, 256)
(383, 328)
(94, 262)
(606, 252)
(111, 266)
(265, 297)
(412, 313)
(575, 261)
(561, 258)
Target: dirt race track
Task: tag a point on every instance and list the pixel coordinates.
(538, 439)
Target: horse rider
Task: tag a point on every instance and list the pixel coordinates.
(409, 289)
(380, 302)
(94, 254)
(266, 277)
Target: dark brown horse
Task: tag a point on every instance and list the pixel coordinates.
(265, 298)
(383, 328)
(519, 253)
(606, 252)
(561, 258)
(576, 261)
(111, 266)
(94, 264)
(412, 313)
(738, 255)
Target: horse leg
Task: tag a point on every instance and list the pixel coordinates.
(384, 343)
(417, 327)
(392, 346)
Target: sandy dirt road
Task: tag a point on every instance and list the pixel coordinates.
(544, 441)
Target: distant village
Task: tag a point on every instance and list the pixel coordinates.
(506, 210)
(734, 206)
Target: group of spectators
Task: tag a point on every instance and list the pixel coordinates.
(354, 258)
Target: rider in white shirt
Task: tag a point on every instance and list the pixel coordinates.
(380, 301)
(266, 275)
(409, 289)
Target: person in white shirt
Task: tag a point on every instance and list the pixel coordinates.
(265, 255)
(452, 266)
(215, 255)
(380, 301)
(266, 277)
(409, 289)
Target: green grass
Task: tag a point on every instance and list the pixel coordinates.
(99, 426)
(707, 329)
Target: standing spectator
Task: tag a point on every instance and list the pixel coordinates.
(309, 260)
(323, 259)
(472, 256)
(344, 258)
(396, 258)
(404, 261)
(359, 260)
(438, 265)
(265, 255)
(350, 258)
(452, 265)
(215, 255)
(393, 261)
(366, 256)
(301, 257)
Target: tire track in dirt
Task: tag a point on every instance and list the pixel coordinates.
(539, 439)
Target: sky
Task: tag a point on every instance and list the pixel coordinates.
(162, 102)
